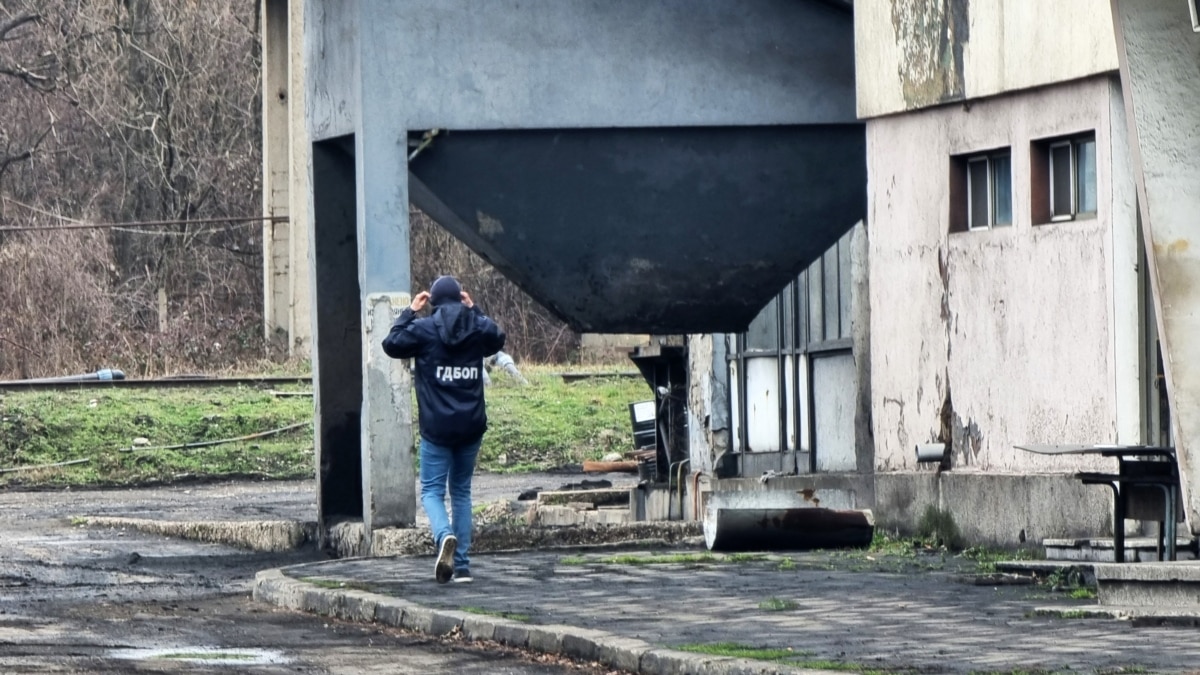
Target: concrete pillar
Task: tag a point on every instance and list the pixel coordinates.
(300, 164)
(337, 347)
(1159, 53)
(276, 170)
(389, 496)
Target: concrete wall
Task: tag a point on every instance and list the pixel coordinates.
(461, 64)
(1160, 54)
(919, 53)
(330, 67)
(1000, 510)
(1006, 336)
(287, 167)
(300, 185)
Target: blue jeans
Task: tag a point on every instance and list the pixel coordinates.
(453, 466)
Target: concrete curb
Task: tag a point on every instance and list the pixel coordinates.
(267, 536)
(1138, 617)
(614, 651)
(348, 540)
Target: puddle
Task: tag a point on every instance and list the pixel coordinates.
(209, 656)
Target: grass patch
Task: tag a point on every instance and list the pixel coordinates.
(551, 423)
(787, 564)
(1071, 614)
(938, 527)
(1082, 594)
(778, 605)
(740, 651)
(79, 521)
(334, 584)
(546, 424)
(515, 616)
(46, 427)
(667, 559)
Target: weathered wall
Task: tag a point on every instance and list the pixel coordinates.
(1004, 336)
(918, 53)
(708, 401)
(1160, 54)
(1000, 510)
(330, 67)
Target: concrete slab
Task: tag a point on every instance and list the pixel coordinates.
(1164, 584)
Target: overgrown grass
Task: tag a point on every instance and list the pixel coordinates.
(778, 605)
(551, 423)
(546, 424)
(334, 584)
(740, 651)
(514, 616)
(38, 428)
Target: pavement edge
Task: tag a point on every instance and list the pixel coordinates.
(274, 587)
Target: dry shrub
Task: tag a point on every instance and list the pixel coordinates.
(534, 334)
(140, 110)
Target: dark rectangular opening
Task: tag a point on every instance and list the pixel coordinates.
(337, 331)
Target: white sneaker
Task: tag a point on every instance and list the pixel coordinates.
(443, 568)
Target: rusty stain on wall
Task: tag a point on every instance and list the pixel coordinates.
(931, 37)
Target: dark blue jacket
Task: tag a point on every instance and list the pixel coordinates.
(449, 347)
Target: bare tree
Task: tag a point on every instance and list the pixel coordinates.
(132, 110)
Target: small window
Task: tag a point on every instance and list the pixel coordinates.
(981, 191)
(1064, 178)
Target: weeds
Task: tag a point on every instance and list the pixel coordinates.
(938, 528)
(777, 605)
(512, 616)
(741, 651)
(334, 583)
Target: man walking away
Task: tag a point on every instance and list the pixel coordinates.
(449, 347)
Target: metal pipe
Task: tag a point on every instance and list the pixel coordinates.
(679, 484)
(104, 375)
(671, 471)
(696, 475)
(931, 452)
(787, 529)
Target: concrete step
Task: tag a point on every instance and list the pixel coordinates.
(1138, 617)
(597, 498)
(1173, 585)
(1100, 549)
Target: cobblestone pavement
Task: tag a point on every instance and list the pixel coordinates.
(863, 612)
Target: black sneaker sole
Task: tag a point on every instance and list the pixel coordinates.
(443, 569)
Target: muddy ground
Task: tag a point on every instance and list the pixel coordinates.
(86, 600)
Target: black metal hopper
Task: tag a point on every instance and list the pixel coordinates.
(664, 230)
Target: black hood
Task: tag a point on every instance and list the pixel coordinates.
(455, 323)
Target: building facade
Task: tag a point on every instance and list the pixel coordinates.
(1005, 298)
